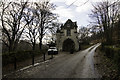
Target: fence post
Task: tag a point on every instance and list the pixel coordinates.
(32, 58)
(15, 62)
(44, 56)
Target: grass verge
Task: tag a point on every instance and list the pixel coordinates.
(106, 66)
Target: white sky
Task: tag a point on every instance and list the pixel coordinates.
(76, 12)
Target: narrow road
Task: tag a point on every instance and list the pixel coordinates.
(77, 65)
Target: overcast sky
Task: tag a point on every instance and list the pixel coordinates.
(79, 11)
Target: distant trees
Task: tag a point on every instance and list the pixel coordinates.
(83, 34)
(87, 34)
(106, 16)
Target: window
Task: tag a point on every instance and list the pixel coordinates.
(68, 25)
(68, 32)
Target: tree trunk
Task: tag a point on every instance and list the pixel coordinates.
(15, 61)
(108, 39)
(33, 47)
(40, 39)
(33, 55)
(118, 31)
(40, 44)
(10, 47)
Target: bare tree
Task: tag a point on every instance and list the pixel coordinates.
(45, 17)
(105, 15)
(12, 23)
(32, 26)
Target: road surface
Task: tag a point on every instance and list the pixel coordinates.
(64, 65)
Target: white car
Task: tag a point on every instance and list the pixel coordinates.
(52, 51)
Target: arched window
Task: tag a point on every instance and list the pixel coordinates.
(68, 32)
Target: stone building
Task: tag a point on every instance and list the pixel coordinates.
(67, 37)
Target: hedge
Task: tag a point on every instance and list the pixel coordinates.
(20, 56)
(114, 54)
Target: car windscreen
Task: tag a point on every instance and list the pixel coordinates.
(52, 48)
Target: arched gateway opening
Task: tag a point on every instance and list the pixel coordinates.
(68, 44)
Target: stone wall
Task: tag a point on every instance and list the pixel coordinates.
(61, 37)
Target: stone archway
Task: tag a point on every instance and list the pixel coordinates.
(68, 44)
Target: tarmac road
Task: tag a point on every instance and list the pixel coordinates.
(63, 65)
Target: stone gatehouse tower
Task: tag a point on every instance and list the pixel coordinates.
(67, 37)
